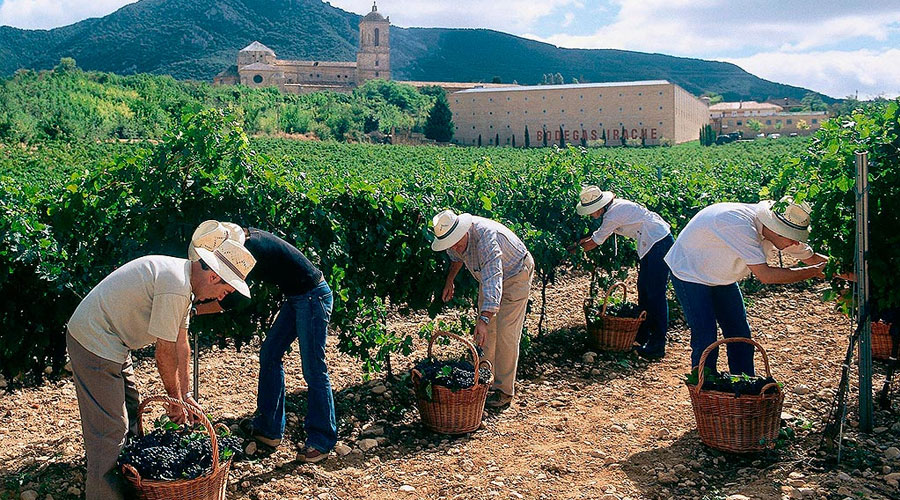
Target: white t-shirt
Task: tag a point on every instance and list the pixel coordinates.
(717, 245)
(145, 299)
(633, 221)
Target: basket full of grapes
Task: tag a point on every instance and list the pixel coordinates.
(615, 327)
(175, 462)
(736, 413)
(450, 394)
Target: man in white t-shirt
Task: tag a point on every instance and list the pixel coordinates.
(653, 239)
(146, 301)
(723, 244)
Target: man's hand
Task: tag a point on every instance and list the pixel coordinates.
(574, 246)
(449, 288)
(176, 413)
(821, 268)
(481, 333)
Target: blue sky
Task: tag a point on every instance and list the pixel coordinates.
(835, 47)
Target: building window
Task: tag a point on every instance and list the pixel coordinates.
(543, 98)
(740, 123)
(490, 113)
(599, 110)
(490, 99)
(730, 124)
(620, 94)
(660, 110)
(581, 96)
(377, 37)
(788, 122)
(457, 102)
(660, 93)
(582, 110)
(257, 78)
(620, 110)
(561, 111)
(526, 100)
(640, 108)
(640, 93)
(507, 100)
(768, 122)
(376, 74)
(545, 112)
(376, 62)
(815, 120)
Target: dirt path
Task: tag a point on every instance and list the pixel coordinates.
(616, 428)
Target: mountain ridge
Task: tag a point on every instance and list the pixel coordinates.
(197, 39)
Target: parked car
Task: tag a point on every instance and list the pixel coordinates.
(760, 136)
(774, 136)
(793, 134)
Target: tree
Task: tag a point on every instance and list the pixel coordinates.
(558, 79)
(545, 137)
(514, 140)
(479, 140)
(802, 125)
(439, 126)
(813, 102)
(496, 79)
(713, 97)
(754, 125)
(603, 137)
(527, 138)
(66, 65)
(562, 137)
(624, 136)
(497, 139)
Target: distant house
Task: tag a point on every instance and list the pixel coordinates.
(727, 117)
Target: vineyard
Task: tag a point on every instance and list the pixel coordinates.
(72, 212)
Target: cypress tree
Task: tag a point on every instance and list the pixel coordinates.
(439, 125)
(545, 138)
(479, 140)
(527, 138)
(497, 139)
(562, 137)
(514, 140)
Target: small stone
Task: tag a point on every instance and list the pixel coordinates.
(250, 449)
(737, 497)
(68, 366)
(662, 433)
(879, 430)
(807, 492)
(595, 371)
(895, 427)
(844, 491)
(29, 495)
(74, 491)
(373, 430)
(407, 488)
(608, 496)
(48, 370)
(843, 476)
(48, 497)
(630, 427)
(367, 444)
(597, 454)
(589, 357)
(787, 416)
(886, 469)
(342, 449)
(2, 382)
(801, 389)
(667, 478)
(892, 453)
(379, 389)
(616, 428)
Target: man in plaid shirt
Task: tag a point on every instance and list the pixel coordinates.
(498, 259)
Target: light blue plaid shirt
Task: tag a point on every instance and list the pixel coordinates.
(493, 253)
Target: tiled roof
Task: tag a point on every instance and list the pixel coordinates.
(257, 47)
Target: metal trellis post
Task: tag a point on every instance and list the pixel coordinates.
(862, 282)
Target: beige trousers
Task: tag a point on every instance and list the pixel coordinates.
(108, 402)
(501, 347)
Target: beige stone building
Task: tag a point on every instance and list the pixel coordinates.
(651, 112)
(727, 117)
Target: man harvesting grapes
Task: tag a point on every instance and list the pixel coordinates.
(303, 316)
(146, 301)
(498, 259)
(653, 239)
(723, 244)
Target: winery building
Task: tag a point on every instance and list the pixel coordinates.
(650, 112)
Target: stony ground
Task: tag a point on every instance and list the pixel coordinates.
(583, 425)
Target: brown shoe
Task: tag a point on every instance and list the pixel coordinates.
(498, 400)
(310, 455)
(246, 426)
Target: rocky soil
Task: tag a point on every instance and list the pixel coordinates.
(584, 424)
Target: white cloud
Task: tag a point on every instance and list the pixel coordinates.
(835, 73)
(510, 15)
(45, 14)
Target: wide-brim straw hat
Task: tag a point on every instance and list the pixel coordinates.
(232, 262)
(591, 199)
(790, 221)
(211, 233)
(449, 228)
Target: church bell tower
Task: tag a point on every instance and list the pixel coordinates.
(374, 57)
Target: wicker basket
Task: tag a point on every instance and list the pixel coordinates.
(882, 343)
(208, 487)
(453, 412)
(612, 333)
(742, 424)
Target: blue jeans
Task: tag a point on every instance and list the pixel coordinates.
(653, 277)
(303, 317)
(706, 305)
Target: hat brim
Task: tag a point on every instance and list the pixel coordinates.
(767, 218)
(464, 222)
(605, 198)
(223, 271)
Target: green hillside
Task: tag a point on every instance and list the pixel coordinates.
(195, 39)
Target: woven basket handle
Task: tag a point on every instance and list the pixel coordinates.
(610, 291)
(191, 411)
(732, 340)
(476, 359)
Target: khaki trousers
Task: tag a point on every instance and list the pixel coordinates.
(505, 330)
(108, 402)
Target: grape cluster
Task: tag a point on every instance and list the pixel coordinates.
(176, 454)
(738, 385)
(454, 375)
(624, 310)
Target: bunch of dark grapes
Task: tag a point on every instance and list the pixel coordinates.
(461, 373)
(176, 454)
(624, 310)
(738, 385)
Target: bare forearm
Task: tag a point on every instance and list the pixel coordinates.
(815, 259)
(211, 307)
(781, 276)
(588, 244)
(183, 350)
(167, 364)
(454, 270)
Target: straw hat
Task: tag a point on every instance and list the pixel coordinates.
(210, 234)
(449, 229)
(592, 199)
(231, 261)
(790, 221)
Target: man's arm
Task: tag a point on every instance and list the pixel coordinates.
(210, 307)
(172, 362)
(449, 287)
(777, 275)
(816, 259)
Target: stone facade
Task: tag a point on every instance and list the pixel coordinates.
(727, 117)
(652, 112)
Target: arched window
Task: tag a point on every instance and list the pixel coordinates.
(377, 40)
(257, 78)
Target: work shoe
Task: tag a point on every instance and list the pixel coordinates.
(498, 400)
(246, 427)
(647, 351)
(310, 455)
